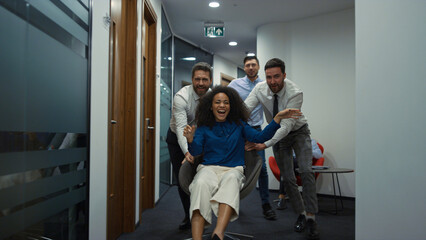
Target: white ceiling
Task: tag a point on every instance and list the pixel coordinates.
(241, 19)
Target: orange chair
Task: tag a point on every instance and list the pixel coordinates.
(276, 171)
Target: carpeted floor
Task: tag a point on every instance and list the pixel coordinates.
(162, 221)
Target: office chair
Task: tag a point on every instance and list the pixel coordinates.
(251, 171)
(276, 171)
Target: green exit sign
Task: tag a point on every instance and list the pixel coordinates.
(212, 31)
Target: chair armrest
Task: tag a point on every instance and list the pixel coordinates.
(252, 171)
(187, 172)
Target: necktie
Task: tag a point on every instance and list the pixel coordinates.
(275, 110)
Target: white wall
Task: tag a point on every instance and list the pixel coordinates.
(222, 65)
(319, 53)
(390, 117)
(99, 122)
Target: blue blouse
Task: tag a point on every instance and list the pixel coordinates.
(223, 144)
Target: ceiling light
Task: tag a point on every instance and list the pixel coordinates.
(214, 4)
(233, 43)
(250, 54)
(189, 58)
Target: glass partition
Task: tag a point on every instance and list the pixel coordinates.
(186, 55)
(166, 102)
(44, 123)
(177, 59)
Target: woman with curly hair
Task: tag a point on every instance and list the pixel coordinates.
(221, 132)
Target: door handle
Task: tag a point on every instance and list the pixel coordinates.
(113, 122)
(148, 121)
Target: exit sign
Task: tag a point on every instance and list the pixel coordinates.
(212, 31)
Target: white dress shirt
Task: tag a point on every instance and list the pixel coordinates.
(185, 103)
(291, 96)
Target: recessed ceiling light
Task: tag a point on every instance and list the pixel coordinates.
(233, 43)
(189, 58)
(250, 54)
(214, 4)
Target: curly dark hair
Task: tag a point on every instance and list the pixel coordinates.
(238, 111)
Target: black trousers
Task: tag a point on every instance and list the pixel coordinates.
(176, 157)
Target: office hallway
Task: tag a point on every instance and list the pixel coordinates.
(162, 222)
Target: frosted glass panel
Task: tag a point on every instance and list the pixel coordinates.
(57, 78)
(12, 70)
(64, 17)
(44, 118)
(79, 7)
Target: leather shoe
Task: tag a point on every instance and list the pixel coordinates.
(185, 224)
(215, 237)
(300, 223)
(312, 227)
(281, 204)
(268, 213)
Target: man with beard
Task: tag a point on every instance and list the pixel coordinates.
(244, 86)
(183, 113)
(276, 94)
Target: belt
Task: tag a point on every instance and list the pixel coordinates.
(304, 125)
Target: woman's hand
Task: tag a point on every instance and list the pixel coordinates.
(287, 113)
(189, 132)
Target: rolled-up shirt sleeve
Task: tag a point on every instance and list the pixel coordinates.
(180, 115)
(288, 123)
(252, 101)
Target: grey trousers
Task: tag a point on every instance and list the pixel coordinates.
(300, 142)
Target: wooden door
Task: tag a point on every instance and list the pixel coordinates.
(115, 128)
(147, 181)
(122, 119)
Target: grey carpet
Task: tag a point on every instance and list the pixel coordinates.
(162, 222)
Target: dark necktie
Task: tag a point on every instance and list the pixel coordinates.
(275, 110)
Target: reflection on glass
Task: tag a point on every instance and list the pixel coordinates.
(186, 55)
(43, 128)
(34, 141)
(166, 101)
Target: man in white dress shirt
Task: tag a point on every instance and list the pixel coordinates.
(276, 94)
(185, 103)
(244, 86)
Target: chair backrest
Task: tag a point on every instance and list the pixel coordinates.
(274, 167)
(251, 172)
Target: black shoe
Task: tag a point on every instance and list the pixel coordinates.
(185, 224)
(281, 204)
(299, 225)
(312, 227)
(215, 237)
(268, 213)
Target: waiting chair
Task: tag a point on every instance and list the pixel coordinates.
(251, 171)
(276, 171)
